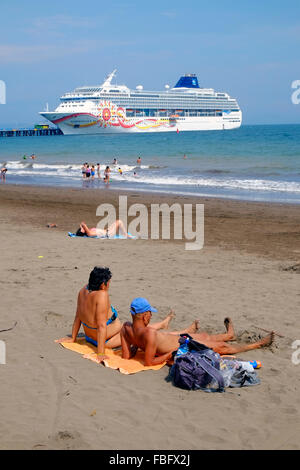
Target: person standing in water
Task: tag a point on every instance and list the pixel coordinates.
(87, 171)
(98, 170)
(139, 160)
(83, 171)
(3, 173)
(106, 175)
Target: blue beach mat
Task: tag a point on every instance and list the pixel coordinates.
(115, 237)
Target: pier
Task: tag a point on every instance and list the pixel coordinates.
(36, 131)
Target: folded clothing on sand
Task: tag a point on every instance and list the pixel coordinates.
(115, 361)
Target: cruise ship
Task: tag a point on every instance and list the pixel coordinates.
(111, 108)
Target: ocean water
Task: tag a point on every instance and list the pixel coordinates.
(258, 163)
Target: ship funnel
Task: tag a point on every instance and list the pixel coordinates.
(187, 81)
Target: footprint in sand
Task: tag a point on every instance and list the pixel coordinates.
(294, 268)
(248, 336)
(55, 320)
(64, 440)
(64, 436)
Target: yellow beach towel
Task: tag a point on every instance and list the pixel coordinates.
(115, 361)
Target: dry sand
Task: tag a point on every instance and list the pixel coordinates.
(53, 399)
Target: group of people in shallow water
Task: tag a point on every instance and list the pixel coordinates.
(89, 171)
(103, 328)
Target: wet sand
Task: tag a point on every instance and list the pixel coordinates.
(248, 270)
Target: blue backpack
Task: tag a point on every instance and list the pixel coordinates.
(198, 367)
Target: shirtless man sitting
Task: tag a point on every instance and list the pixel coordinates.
(99, 319)
(158, 345)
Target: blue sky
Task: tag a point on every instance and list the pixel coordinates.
(251, 49)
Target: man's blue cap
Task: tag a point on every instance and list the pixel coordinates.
(141, 305)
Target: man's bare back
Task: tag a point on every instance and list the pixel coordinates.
(140, 337)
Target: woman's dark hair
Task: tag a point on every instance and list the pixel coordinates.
(97, 277)
(79, 233)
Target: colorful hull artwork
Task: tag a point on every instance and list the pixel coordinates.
(111, 115)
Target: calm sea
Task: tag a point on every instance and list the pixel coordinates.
(260, 163)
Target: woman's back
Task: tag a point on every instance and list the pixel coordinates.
(87, 305)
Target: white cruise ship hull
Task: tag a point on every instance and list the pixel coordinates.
(115, 109)
(85, 123)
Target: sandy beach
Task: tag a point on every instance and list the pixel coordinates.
(249, 270)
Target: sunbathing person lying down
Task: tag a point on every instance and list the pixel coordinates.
(99, 319)
(116, 228)
(159, 345)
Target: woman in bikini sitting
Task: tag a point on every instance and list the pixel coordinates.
(99, 319)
